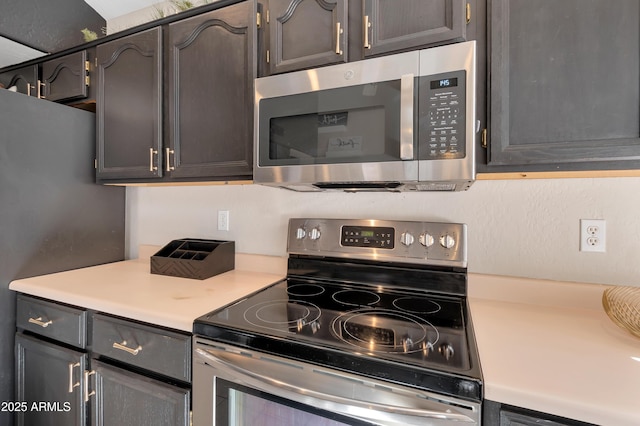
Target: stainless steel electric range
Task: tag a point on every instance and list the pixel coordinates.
(370, 327)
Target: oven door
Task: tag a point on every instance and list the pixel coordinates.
(344, 123)
(233, 387)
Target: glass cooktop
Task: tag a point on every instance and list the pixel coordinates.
(398, 326)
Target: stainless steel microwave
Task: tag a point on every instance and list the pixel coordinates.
(405, 122)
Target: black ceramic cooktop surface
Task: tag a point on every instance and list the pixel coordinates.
(398, 326)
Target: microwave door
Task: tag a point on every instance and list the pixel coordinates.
(352, 124)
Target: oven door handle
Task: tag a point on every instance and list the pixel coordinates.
(369, 411)
(406, 116)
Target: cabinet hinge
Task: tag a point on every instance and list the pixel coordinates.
(267, 17)
(87, 65)
(468, 13)
(95, 61)
(268, 56)
(258, 20)
(87, 81)
(484, 138)
(95, 163)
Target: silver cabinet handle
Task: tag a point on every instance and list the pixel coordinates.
(339, 31)
(86, 385)
(41, 89)
(28, 89)
(123, 347)
(151, 154)
(71, 384)
(406, 117)
(169, 151)
(367, 25)
(38, 321)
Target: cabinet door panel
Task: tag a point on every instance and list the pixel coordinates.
(394, 25)
(306, 33)
(49, 374)
(66, 78)
(25, 79)
(125, 398)
(129, 107)
(564, 81)
(212, 66)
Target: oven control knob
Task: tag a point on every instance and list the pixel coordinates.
(301, 233)
(314, 234)
(446, 350)
(447, 241)
(406, 239)
(426, 239)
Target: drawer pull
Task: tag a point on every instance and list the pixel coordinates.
(38, 321)
(123, 347)
(88, 394)
(71, 384)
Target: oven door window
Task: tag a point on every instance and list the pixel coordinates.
(352, 124)
(238, 405)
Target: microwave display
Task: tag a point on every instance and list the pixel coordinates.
(445, 82)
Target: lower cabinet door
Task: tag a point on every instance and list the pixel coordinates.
(125, 398)
(49, 384)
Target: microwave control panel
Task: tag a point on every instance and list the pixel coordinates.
(441, 112)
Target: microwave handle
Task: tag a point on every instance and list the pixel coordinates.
(406, 117)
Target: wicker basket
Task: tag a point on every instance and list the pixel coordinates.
(622, 304)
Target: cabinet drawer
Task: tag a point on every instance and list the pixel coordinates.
(143, 346)
(55, 321)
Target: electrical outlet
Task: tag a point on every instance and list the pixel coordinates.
(593, 235)
(223, 220)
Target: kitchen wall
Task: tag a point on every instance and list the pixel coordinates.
(526, 228)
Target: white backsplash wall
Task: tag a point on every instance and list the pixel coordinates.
(527, 228)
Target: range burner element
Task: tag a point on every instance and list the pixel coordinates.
(385, 331)
(356, 297)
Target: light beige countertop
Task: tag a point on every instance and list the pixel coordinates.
(550, 347)
(546, 346)
(129, 290)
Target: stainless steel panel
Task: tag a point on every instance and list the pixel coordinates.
(329, 241)
(358, 397)
(459, 56)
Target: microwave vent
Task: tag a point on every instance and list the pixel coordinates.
(436, 186)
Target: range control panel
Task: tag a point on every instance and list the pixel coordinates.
(442, 116)
(436, 243)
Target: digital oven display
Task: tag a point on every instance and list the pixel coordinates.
(368, 236)
(444, 83)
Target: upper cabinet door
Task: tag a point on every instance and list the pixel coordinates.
(66, 78)
(565, 86)
(395, 25)
(24, 79)
(306, 33)
(211, 67)
(129, 107)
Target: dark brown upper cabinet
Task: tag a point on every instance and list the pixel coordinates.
(66, 78)
(306, 33)
(392, 25)
(310, 33)
(565, 86)
(129, 107)
(212, 64)
(25, 80)
(196, 90)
